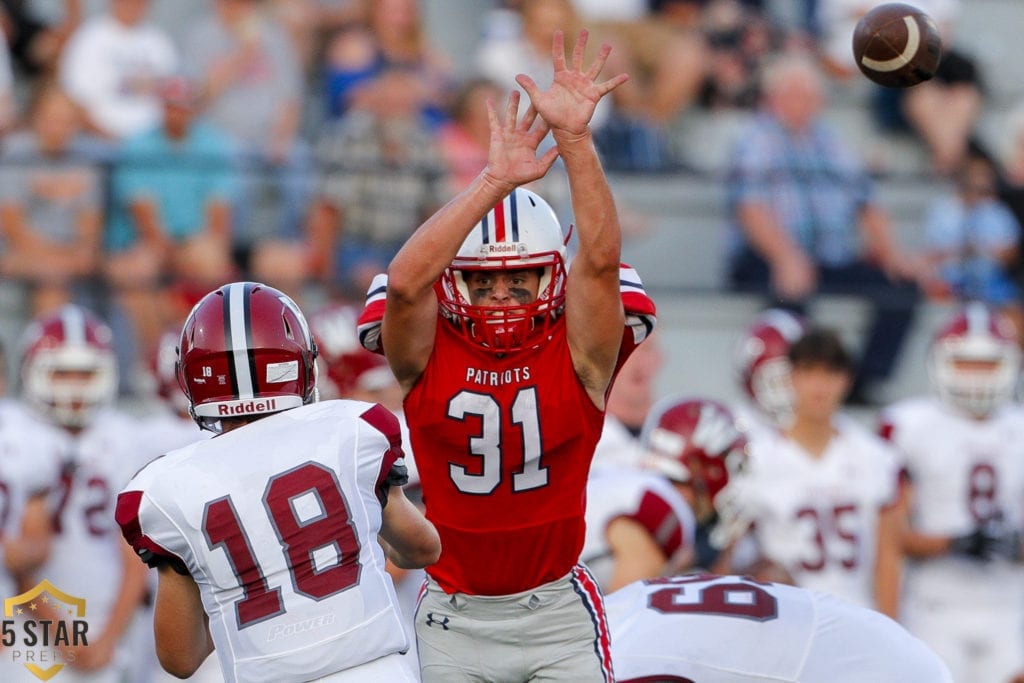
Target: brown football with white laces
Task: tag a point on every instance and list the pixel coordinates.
(897, 45)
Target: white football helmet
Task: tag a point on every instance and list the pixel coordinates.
(69, 369)
(520, 233)
(975, 360)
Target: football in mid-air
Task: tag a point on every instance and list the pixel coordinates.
(897, 45)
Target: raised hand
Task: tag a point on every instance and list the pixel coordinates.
(512, 156)
(569, 103)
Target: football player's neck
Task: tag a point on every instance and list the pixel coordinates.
(812, 432)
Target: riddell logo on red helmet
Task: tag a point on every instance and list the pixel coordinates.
(249, 408)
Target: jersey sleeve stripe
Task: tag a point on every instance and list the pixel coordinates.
(127, 516)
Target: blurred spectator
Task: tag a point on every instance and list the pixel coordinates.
(253, 85)
(310, 22)
(667, 64)
(35, 44)
(50, 204)
(8, 109)
(740, 39)
(805, 220)
(171, 211)
(1011, 184)
(463, 140)
(520, 42)
(112, 65)
(393, 36)
(382, 175)
(943, 111)
(972, 236)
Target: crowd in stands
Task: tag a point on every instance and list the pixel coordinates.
(301, 142)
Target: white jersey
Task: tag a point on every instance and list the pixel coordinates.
(729, 629)
(818, 517)
(965, 473)
(28, 467)
(245, 513)
(644, 497)
(85, 557)
(165, 431)
(617, 447)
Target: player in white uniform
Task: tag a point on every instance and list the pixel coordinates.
(638, 526)
(730, 629)
(28, 472)
(266, 537)
(347, 370)
(822, 493)
(69, 377)
(763, 371)
(963, 456)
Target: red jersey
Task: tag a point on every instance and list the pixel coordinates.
(503, 447)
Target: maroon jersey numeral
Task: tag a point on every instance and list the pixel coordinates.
(729, 599)
(97, 513)
(330, 530)
(982, 489)
(832, 524)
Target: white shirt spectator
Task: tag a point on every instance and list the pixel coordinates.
(112, 70)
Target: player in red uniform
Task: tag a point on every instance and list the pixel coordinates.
(506, 358)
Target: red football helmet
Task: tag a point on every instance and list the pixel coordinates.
(245, 349)
(520, 233)
(697, 441)
(975, 360)
(762, 362)
(68, 367)
(694, 441)
(348, 364)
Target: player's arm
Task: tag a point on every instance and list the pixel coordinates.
(594, 315)
(101, 648)
(411, 306)
(180, 624)
(637, 555)
(24, 554)
(411, 540)
(889, 558)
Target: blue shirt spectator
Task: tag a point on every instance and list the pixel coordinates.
(804, 219)
(181, 177)
(813, 184)
(972, 236)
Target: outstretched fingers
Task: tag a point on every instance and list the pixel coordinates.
(579, 50)
(548, 160)
(612, 84)
(529, 117)
(558, 50)
(512, 109)
(602, 57)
